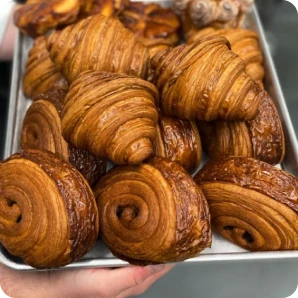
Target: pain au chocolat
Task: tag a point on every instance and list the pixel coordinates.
(48, 214)
(179, 140)
(152, 213)
(98, 43)
(41, 74)
(261, 138)
(205, 81)
(252, 204)
(42, 130)
(111, 115)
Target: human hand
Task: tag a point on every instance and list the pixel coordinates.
(86, 283)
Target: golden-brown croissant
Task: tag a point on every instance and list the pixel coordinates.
(261, 138)
(42, 130)
(179, 140)
(41, 75)
(48, 214)
(98, 43)
(216, 13)
(245, 43)
(37, 17)
(152, 213)
(252, 204)
(151, 22)
(205, 81)
(111, 115)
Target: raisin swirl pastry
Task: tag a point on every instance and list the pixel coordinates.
(42, 130)
(41, 74)
(48, 214)
(205, 81)
(261, 138)
(152, 213)
(252, 204)
(111, 115)
(98, 43)
(155, 26)
(245, 43)
(179, 140)
(37, 17)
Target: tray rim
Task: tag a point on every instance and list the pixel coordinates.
(114, 262)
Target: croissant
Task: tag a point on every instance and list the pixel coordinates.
(37, 17)
(48, 214)
(152, 213)
(111, 115)
(215, 13)
(42, 130)
(179, 140)
(262, 138)
(252, 204)
(98, 43)
(245, 43)
(205, 81)
(41, 74)
(150, 23)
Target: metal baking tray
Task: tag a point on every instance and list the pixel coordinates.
(100, 256)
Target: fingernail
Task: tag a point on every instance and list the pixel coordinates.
(157, 268)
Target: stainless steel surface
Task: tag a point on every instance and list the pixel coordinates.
(100, 256)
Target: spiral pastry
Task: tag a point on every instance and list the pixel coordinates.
(261, 138)
(48, 214)
(42, 130)
(244, 43)
(205, 81)
(152, 213)
(252, 204)
(111, 115)
(41, 75)
(37, 17)
(98, 43)
(179, 140)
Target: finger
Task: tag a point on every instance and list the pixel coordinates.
(99, 282)
(142, 288)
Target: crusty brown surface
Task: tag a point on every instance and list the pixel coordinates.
(50, 213)
(153, 213)
(41, 75)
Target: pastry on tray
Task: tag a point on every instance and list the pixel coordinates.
(152, 213)
(252, 204)
(48, 216)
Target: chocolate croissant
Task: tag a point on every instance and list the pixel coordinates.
(245, 43)
(252, 204)
(111, 115)
(37, 17)
(152, 24)
(179, 140)
(152, 213)
(48, 214)
(261, 138)
(42, 130)
(41, 74)
(98, 43)
(205, 81)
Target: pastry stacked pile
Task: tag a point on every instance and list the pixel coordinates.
(135, 97)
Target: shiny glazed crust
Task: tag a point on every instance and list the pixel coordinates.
(179, 140)
(205, 81)
(252, 204)
(152, 213)
(41, 75)
(37, 17)
(262, 138)
(98, 43)
(48, 212)
(111, 115)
